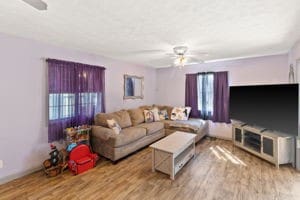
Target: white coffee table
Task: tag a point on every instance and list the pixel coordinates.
(171, 153)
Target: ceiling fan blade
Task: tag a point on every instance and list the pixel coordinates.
(199, 53)
(148, 51)
(161, 61)
(174, 57)
(171, 54)
(37, 4)
(164, 66)
(194, 55)
(193, 59)
(154, 52)
(192, 63)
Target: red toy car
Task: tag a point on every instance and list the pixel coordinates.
(81, 159)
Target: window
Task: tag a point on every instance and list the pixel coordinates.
(76, 94)
(208, 96)
(89, 102)
(205, 87)
(62, 106)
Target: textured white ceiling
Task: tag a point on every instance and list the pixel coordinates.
(135, 30)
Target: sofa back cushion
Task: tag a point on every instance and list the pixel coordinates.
(180, 113)
(168, 108)
(113, 124)
(137, 116)
(145, 108)
(122, 118)
(149, 116)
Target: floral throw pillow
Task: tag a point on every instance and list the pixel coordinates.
(155, 114)
(149, 116)
(114, 126)
(180, 113)
(163, 114)
(187, 112)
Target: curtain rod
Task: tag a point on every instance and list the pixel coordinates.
(205, 72)
(210, 72)
(53, 60)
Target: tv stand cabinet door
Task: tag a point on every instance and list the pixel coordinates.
(286, 150)
(237, 135)
(268, 145)
(270, 149)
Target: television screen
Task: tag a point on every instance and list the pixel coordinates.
(274, 107)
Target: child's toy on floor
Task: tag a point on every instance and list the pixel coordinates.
(71, 146)
(81, 159)
(77, 135)
(57, 162)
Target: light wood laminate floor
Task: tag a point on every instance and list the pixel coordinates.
(219, 171)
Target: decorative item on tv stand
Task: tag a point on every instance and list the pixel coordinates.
(77, 135)
(275, 147)
(292, 74)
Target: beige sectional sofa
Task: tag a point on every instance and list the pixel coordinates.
(135, 133)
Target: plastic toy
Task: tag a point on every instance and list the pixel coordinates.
(57, 162)
(81, 159)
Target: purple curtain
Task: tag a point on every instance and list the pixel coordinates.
(221, 97)
(76, 94)
(191, 96)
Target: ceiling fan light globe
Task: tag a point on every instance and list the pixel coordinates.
(180, 50)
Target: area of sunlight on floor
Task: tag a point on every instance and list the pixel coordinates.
(225, 155)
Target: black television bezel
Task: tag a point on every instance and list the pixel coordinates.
(264, 85)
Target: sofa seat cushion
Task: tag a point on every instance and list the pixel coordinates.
(152, 127)
(127, 136)
(191, 125)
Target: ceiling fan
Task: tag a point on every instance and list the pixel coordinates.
(37, 4)
(182, 59)
(179, 56)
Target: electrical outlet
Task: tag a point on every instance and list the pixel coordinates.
(1, 164)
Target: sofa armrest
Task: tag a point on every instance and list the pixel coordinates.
(102, 133)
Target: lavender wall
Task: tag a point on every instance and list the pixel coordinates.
(23, 138)
(261, 70)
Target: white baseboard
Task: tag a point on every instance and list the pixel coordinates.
(220, 137)
(224, 138)
(11, 177)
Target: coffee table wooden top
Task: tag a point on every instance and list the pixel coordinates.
(174, 143)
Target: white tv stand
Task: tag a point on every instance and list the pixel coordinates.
(277, 148)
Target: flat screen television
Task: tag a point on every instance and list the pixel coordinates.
(274, 107)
